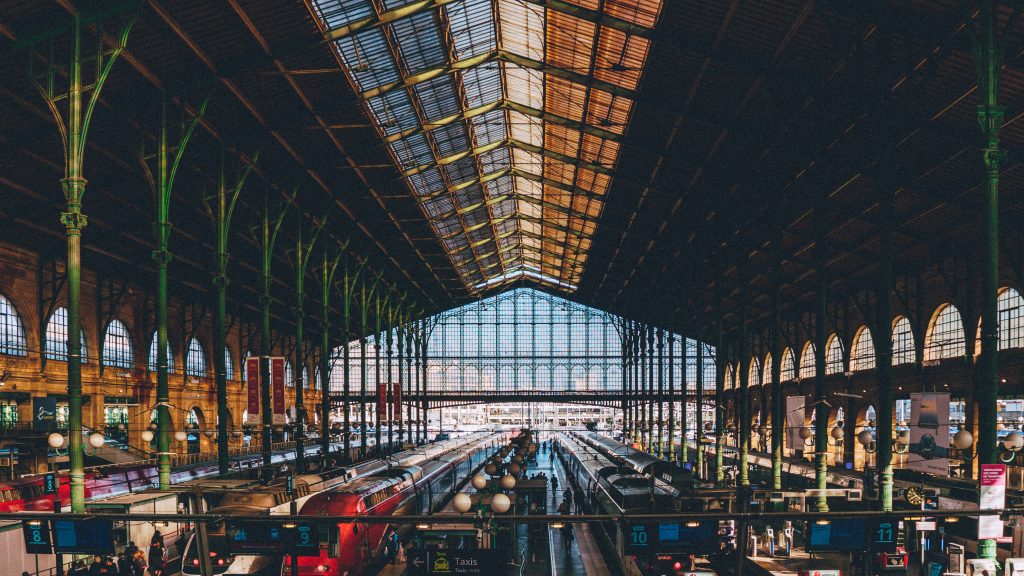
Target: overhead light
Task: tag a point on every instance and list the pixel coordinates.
(822, 522)
(557, 525)
(692, 524)
(422, 526)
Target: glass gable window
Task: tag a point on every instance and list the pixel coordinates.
(57, 336)
(117, 346)
(945, 337)
(12, 332)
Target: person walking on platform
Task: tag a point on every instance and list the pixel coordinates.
(567, 536)
(554, 485)
(156, 554)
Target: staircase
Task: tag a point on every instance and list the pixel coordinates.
(113, 451)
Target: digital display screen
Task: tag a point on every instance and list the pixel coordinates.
(843, 534)
(673, 537)
(91, 536)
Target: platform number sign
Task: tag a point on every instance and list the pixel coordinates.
(289, 485)
(306, 540)
(37, 537)
(884, 534)
(884, 540)
(639, 539)
(49, 483)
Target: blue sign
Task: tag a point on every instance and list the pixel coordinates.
(50, 483)
(255, 538)
(838, 535)
(672, 537)
(37, 537)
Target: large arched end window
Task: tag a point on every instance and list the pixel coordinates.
(862, 354)
(903, 347)
(229, 366)
(117, 346)
(1011, 319)
(945, 336)
(808, 369)
(788, 369)
(152, 363)
(57, 336)
(12, 331)
(766, 371)
(834, 355)
(754, 376)
(195, 359)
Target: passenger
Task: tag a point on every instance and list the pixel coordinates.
(79, 569)
(391, 547)
(554, 484)
(138, 563)
(157, 553)
(567, 536)
(99, 566)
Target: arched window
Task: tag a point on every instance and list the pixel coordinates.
(12, 332)
(808, 369)
(728, 376)
(1011, 319)
(289, 374)
(754, 376)
(245, 358)
(862, 355)
(195, 359)
(305, 377)
(903, 347)
(788, 369)
(766, 372)
(229, 366)
(57, 336)
(117, 346)
(834, 355)
(152, 356)
(945, 336)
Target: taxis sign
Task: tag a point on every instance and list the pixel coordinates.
(454, 562)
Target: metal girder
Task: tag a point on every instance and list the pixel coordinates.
(413, 79)
(589, 194)
(475, 151)
(411, 9)
(560, 157)
(511, 143)
(564, 74)
(507, 104)
(482, 180)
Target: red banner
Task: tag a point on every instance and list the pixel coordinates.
(382, 402)
(277, 387)
(396, 401)
(252, 380)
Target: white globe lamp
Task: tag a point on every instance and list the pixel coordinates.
(508, 482)
(55, 440)
(147, 436)
(500, 503)
(479, 481)
(180, 436)
(462, 502)
(96, 440)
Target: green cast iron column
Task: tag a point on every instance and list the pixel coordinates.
(699, 413)
(328, 269)
(268, 237)
(401, 381)
(650, 390)
(990, 116)
(303, 255)
(778, 405)
(720, 412)
(743, 367)
(661, 392)
(672, 402)
(822, 408)
(882, 337)
(389, 411)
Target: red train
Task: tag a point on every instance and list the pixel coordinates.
(351, 548)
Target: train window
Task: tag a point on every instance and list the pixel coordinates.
(333, 536)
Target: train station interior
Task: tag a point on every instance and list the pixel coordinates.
(523, 287)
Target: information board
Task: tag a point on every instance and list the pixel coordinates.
(455, 562)
(839, 535)
(992, 482)
(37, 537)
(255, 538)
(88, 536)
(672, 537)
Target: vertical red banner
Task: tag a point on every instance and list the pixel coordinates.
(277, 388)
(396, 402)
(382, 402)
(253, 378)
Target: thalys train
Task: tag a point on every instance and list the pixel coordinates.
(352, 548)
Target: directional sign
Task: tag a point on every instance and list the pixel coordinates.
(455, 562)
(49, 483)
(672, 537)
(37, 537)
(294, 538)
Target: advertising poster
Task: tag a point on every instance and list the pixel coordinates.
(382, 402)
(929, 433)
(252, 379)
(396, 402)
(277, 388)
(992, 481)
(796, 414)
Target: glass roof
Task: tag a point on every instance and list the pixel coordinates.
(505, 118)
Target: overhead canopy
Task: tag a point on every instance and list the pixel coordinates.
(504, 117)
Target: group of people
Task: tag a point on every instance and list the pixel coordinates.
(133, 562)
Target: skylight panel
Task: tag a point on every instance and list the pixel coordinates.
(524, 86)
(528, 188)
(461, 170)
(607, 111)
(620, 58)
(438, 206)
(472, 27)
(426, 181)
(500, 187)
(526, 128)
(561, 139)
(393, 112)
(596, 150)
(469, 196)
(495, 160)
(527, 161)
(450, 138)
(570, 42)
(419, 42)
(489, 128)
(504, 208)
(368, 58)
(565, 98)
(337, 13)
(482, 84)
(438, 98)
(477, 216)
(412, 151)
(641, 12)
(522, 28)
